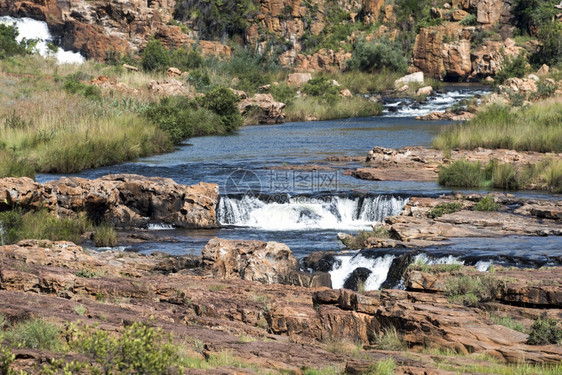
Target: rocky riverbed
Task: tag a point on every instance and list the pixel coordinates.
(214, 300)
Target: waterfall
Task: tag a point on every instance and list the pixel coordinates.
(345, 266)
(305, 213)
(32, 29)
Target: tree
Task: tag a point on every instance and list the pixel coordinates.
(155, 56)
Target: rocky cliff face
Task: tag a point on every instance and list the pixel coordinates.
(308, 35)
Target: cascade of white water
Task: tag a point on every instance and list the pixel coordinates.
(32, 29)
(303, 213)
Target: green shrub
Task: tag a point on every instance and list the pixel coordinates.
(487, 203)
(462, 173)
(469, 20)
(371, 57)
(9, 46)
(155, 57)
(545, 331)
(186, 60)
(35, 334)
(105, 236)
(323, 88)
(223, 102)
(472, 290)
(505, 176)
(550, 48)
(173, 116)
(444, 209)
(516, 67)
(390, 339)
(283, 93)
(358, 241)
(200, 79)
(42, 225)
(508, 322)
(86, 274)
(73, 85)
(383, 367)
(140, 349)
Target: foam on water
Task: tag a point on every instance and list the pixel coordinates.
(345, 266)
(32, 29)
(306, 213)
(160, 226)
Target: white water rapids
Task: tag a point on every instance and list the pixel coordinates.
(306, 213)
(32, 29)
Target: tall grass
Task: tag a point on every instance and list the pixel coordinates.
(536, 128)
(316, 108)
(546, 175)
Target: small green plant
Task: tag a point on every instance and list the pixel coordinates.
(508, 322)
(419, 265)
(462, 173)
(86, 274)
(105, 236)
(35, 334)
(545, 331)
(155, 57)
(444, 209)
(79, 310)
(469, 20)
(383, 367)
(516, 67)
(390, 339)
(472, 290)
(487, 203)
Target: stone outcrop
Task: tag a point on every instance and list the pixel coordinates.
(126, 200)
(269, 110)
(265, 262)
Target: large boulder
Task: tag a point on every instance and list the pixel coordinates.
(298, 79)
(456, 59)
(270, 111)
(265, 262)
(410, 78)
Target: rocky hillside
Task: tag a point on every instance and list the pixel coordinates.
(461, 39)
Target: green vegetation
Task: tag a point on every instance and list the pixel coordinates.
(358, 241)
(105, 236)
(9, 46)
(383, 367)
(79, 310)
(35, 334)
(516, 67)
(472, 290)
(487, 203)
(547, 174)
(423, 266)
(86, 274)
(319, 109)
(545, 331)
(389, 339)
(537, 128)
(377, 56)
(508, 322)
(42, 225)
(444, 209)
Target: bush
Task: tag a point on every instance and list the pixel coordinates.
(283, 93)
(173, 116)
(322, 87)
(140, 350)
(105, 236)
(472, 290)
(372, 57)
(9, 46)
(469, 20)
(545, 331)
(390, 339)
(223, 102)
(550, 48)
(516, 67)
(155, 57)
(42, 225)
(505, 176)
(444, 209)
(462, 173)
(487, 203)
(186, 60)
(35, 334)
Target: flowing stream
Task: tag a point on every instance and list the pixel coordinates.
(261, 199)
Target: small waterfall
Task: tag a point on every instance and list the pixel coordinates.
(32, 29)
(159, 226)
(304, 213)
(345, 266)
